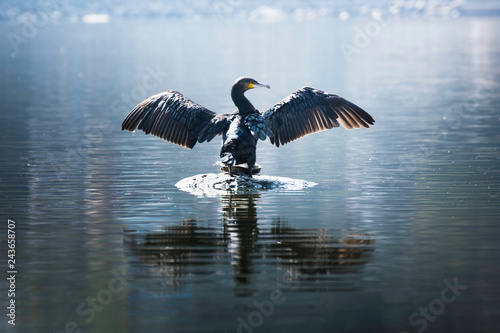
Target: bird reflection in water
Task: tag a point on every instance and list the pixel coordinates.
(239, 250)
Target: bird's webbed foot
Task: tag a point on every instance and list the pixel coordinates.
(249, 170)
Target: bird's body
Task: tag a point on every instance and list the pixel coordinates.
(238, 145)
(177, 119)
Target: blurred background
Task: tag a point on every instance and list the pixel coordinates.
(400, 234)
(68, 10)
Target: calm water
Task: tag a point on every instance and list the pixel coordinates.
(404, 216)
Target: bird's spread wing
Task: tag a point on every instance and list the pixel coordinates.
(257, 126)
(215, 126)
(170, 116)
(310, 110)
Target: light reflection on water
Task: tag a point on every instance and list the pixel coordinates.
(251, 248)
(397, 209)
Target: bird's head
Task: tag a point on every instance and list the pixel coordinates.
(245, 83)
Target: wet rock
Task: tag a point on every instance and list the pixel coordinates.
(241, 169)
(211, 184)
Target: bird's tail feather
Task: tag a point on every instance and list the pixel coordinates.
(228, 159)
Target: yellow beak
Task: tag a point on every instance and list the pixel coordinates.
(257, 85)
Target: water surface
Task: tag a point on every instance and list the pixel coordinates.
(400, 211)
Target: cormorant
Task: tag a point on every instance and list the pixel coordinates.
(175, 118)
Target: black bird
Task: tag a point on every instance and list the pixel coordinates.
(175, 118)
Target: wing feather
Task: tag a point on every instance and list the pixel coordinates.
(257, 126)
(168, 128)
(310, 110)
(170, 116)
(306, 127)
(343, 118)
(216, 126)
(358, 121)
(163, 125)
